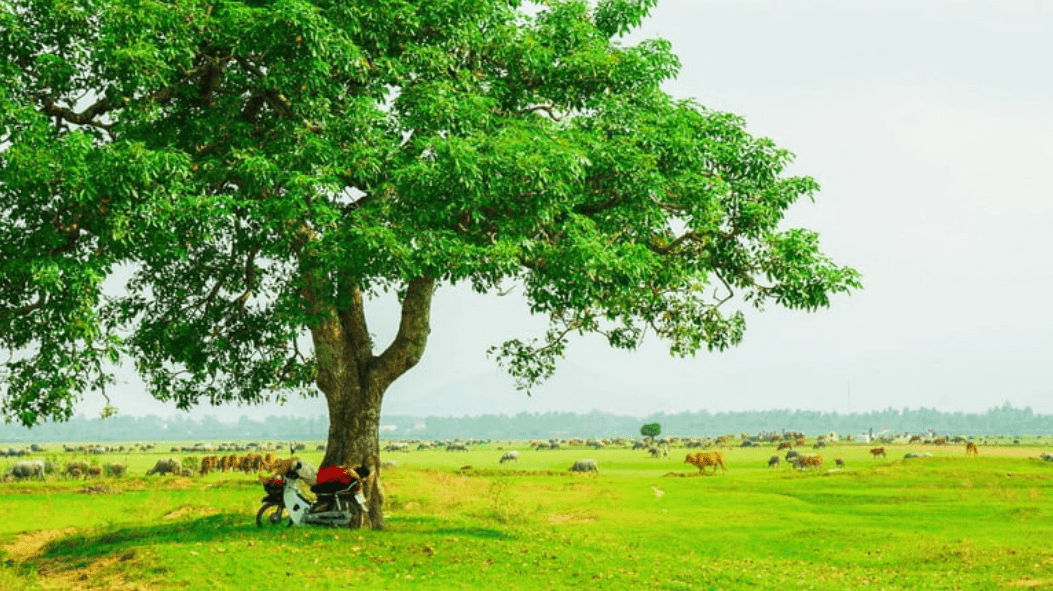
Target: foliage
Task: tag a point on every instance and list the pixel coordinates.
(195, 185)
(651, 430)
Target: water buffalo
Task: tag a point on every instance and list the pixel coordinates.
(26, 469)
(169, 466)
(586, 465)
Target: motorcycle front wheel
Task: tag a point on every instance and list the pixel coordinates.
(272, 514)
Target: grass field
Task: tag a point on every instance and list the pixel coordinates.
(942, 522)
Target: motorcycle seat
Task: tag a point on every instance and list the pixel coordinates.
(336, 479)
(333, 488)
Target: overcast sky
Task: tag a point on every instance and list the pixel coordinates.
(928, 125)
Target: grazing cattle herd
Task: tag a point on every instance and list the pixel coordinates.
(28, 468)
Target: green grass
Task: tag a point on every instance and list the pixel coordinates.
(945, 522)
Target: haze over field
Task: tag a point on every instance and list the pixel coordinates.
(928, 126)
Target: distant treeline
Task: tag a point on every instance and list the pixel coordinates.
(1003, 420)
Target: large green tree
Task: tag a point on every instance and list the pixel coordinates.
(215, 189)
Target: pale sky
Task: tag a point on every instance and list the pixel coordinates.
(929, 126)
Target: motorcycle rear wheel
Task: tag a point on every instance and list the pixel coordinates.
(271, 514)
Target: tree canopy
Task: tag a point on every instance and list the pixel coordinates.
(198, 185)
(651, 430)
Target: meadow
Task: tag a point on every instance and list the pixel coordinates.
(941, 522)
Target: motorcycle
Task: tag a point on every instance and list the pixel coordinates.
(339, 500)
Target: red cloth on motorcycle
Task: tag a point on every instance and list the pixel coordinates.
(343, 474)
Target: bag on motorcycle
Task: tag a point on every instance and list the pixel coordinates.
(273, 485)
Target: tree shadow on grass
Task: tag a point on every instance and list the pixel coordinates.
(227, 528)
(108, 541)
(435, 526)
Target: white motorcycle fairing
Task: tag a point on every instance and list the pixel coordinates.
(334, 509)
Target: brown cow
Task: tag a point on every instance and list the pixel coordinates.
(877, 451)
(707, 458)
(208, 464)
(808, 461)
(784, 445)
(971, 449)
(915, 439)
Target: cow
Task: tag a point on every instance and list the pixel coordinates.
(25, 469)
(915, 439)
(169, 466)
(510, 456)
(228, 462)
(707, 458)
(840, 463)
(784, 445)
(877, 451)
(209, 463)
(76, 470)
(971, 449)
(773, 462)
(808, 461)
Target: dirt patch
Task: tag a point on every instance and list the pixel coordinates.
(104, 574)
(190, 511)
(568, 519)
(177, 482)
(953, 450)
(30, 543)
(101, 574)
(1012, 452)
(1031, 583)
(98, 489)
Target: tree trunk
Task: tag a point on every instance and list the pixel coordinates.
(354, 440)
(354, 380)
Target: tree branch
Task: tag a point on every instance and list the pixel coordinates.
(353, 319)
(408, 346)
(669, 248)
(12, 312)
(85, 117)
(548, 109)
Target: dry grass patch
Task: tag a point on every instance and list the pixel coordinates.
(30, 543)
(103, 574)
(1033, 583)
(570, 519)
(190, 511)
